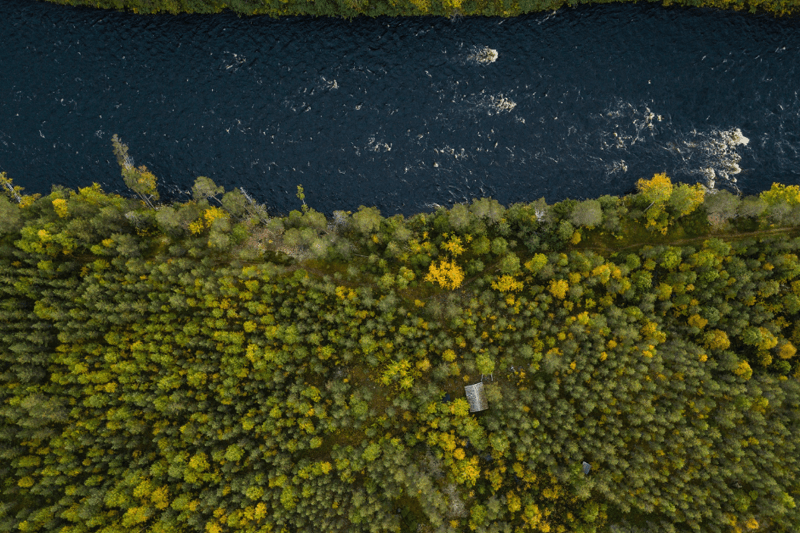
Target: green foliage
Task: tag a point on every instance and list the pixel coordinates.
(721, 207)
(499, 246)
(482, 245)
(588, 214)
(10, 218)
(205, 188)
(666, 202)
(235, 203)
(459, 217)
(366, 220)
(157, 378)
(487, 208)
(509, 264)
(565, 230)
(752, 206)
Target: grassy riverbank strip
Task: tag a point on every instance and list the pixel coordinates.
(398, 8)
(206, 366)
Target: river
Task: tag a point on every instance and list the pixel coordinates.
(404, 114)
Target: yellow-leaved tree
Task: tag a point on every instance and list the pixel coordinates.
(138, 179)
(14, 192)
(446, 273)
(779, 193)
(667, 201)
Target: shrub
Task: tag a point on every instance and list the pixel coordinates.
(481, 246)
(721, 206)
(588, 214)
(751, 206)
(459, 217)
(366, 220)
(487, 208)
(565, 230)
(205, 188)
(509, 264)
(667, 202)
(499, 246)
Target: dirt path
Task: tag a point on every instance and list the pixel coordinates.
(722, 236)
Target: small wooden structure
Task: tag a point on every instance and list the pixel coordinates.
(476, 397)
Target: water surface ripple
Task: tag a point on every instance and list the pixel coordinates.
(401, 113)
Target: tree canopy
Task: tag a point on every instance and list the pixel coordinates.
(199, 367)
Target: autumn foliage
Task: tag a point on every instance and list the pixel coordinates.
(186, 369)
(375, 8)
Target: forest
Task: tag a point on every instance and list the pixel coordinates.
(208, 366)
(398, 8)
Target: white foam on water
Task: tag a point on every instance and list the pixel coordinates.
(377, 146)
(483, 55)
(447, 150)
(616, 166)
(712, 155)
(331, 85)
(493, 103)
(237, 126)
(501, 103)
(627, 125)
(548, 17)
(234, 61)
(737, 137)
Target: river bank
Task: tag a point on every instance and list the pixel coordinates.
(401, 8)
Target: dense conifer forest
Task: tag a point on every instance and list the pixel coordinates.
(208, 367)
(395, 8)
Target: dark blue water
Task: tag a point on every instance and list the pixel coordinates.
(401, 113)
